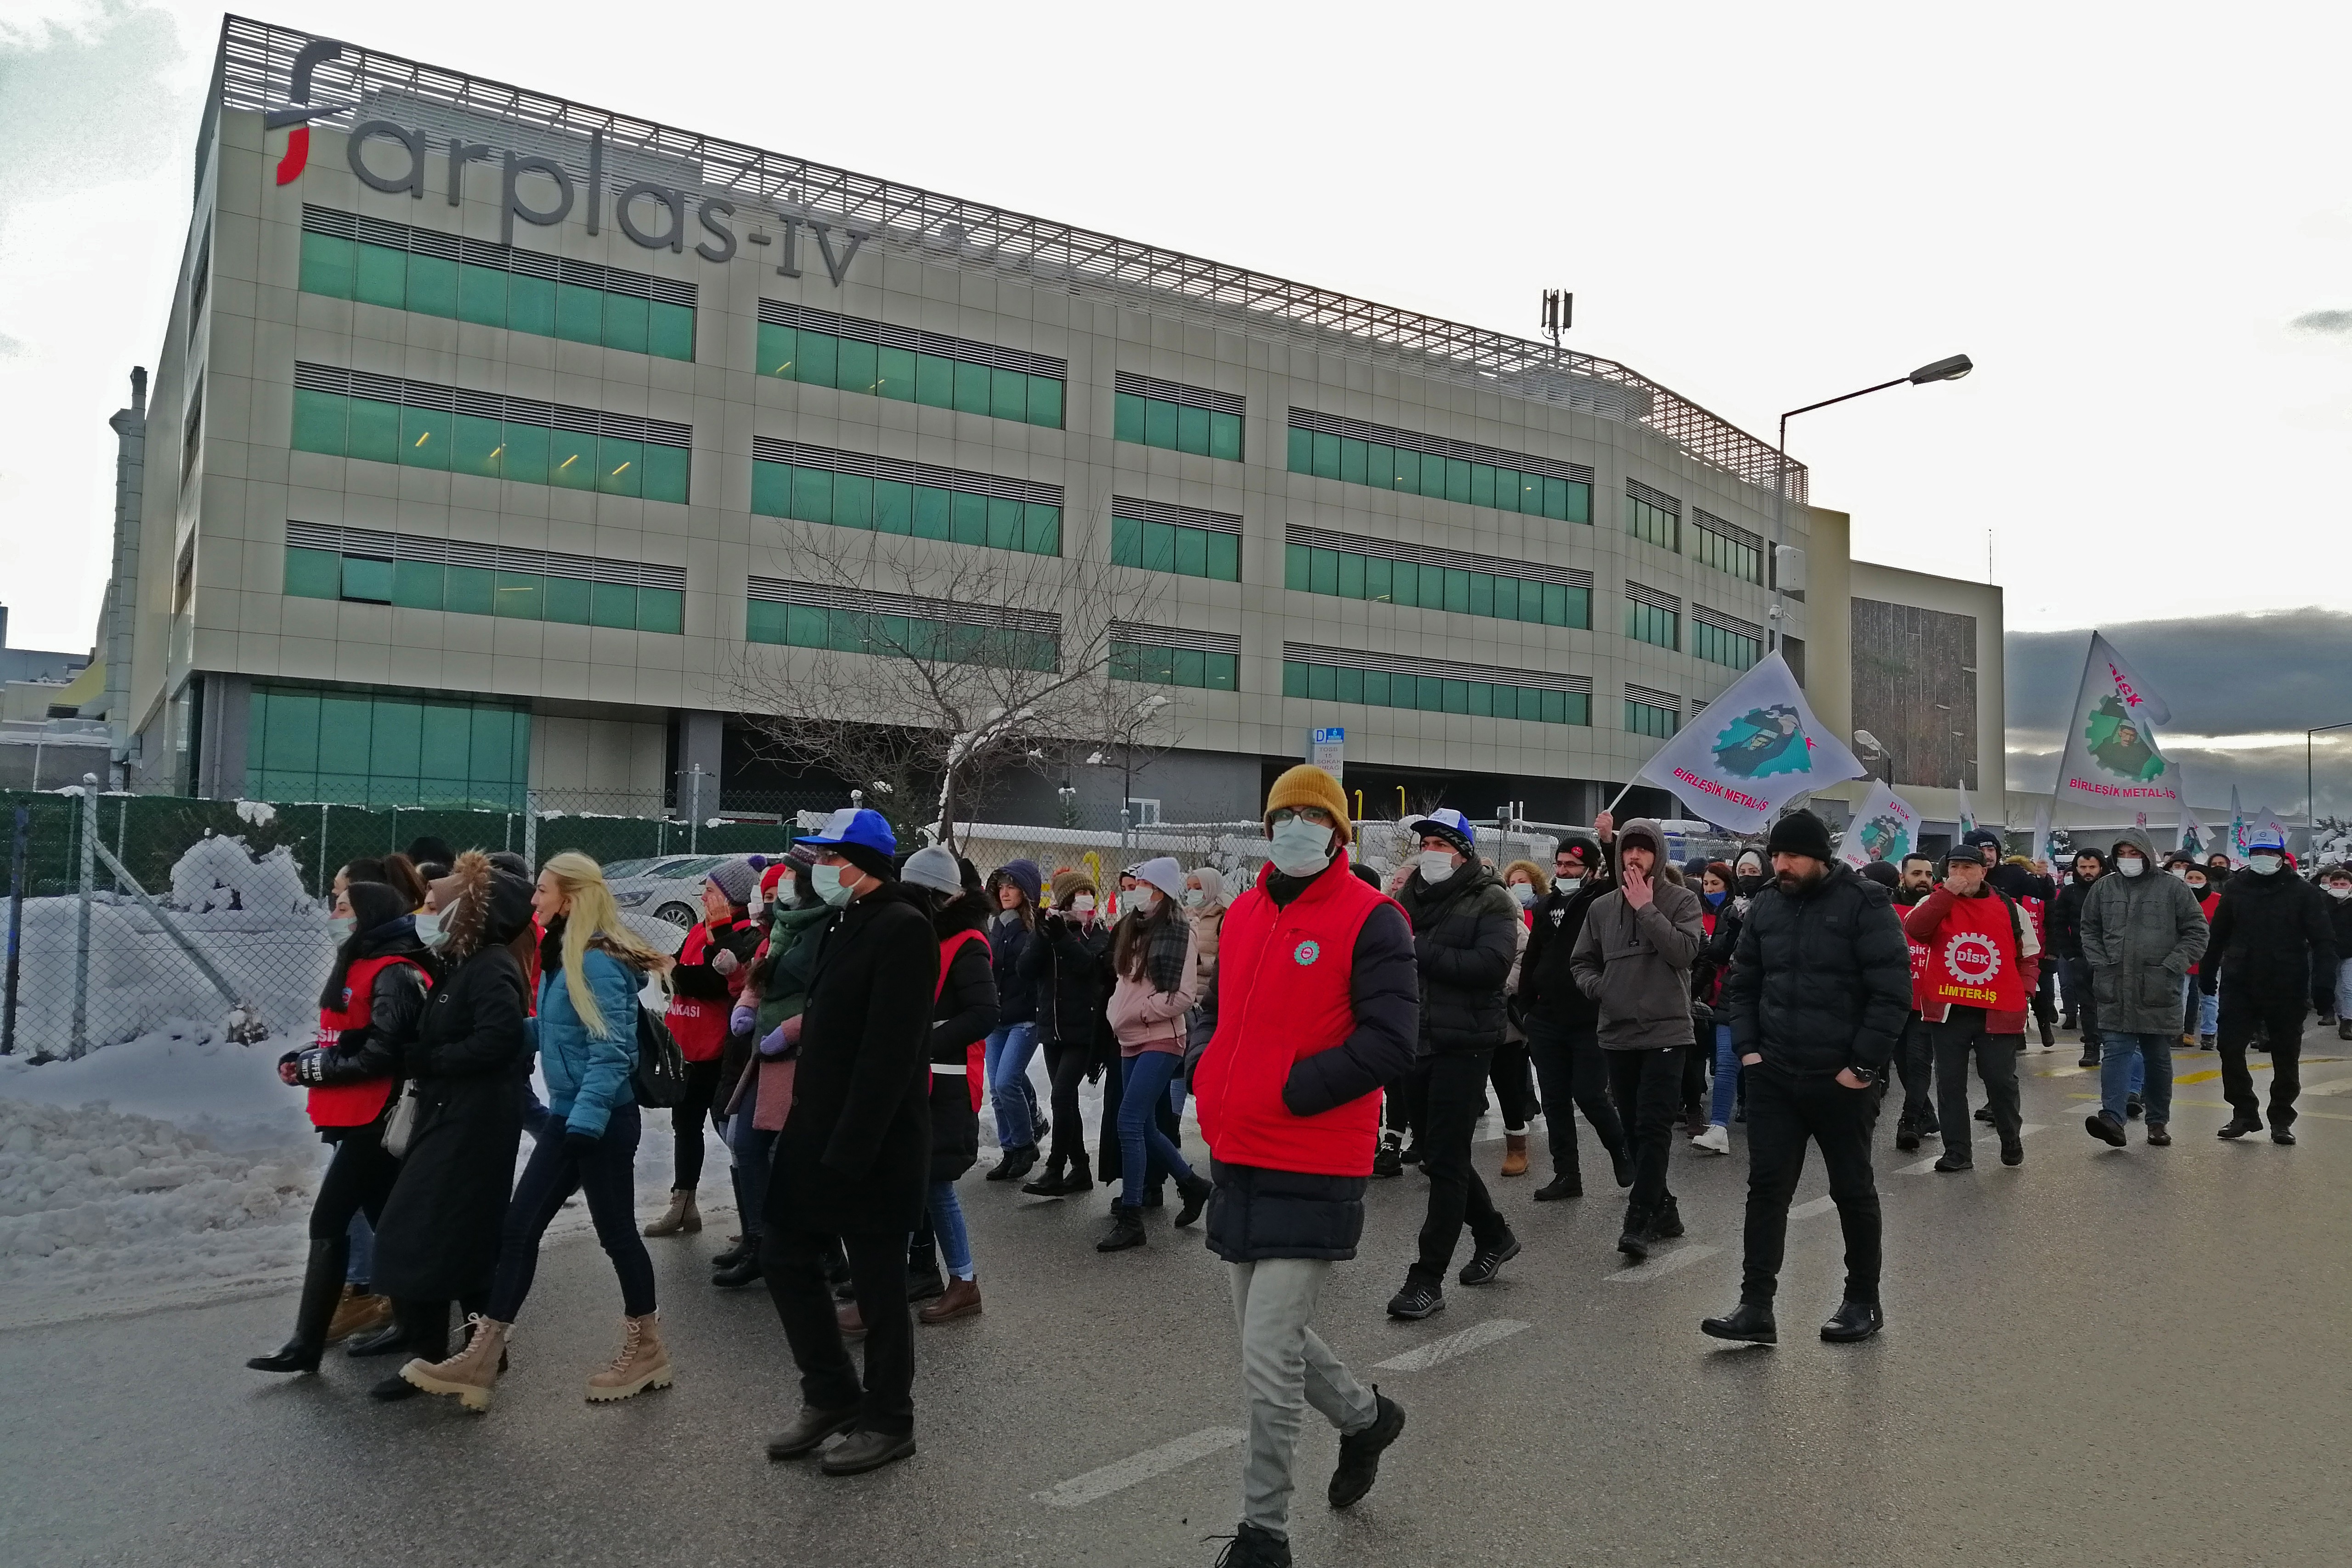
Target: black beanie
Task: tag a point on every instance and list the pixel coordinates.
(1798, 833)
(1884, 874)
(868, 858)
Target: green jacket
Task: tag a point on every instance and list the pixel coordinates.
(793, 936)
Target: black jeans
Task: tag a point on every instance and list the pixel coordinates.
(2087, 1006)
(1067, 1064)
(359, 1178)
(1515, 1096)
(2280, 1014)
(793, 1261)
(1403, 1102)
(1961, 1036)
(686, 1120)
(1572, 1077)
(1457, 1098)
(1647, 1084)
(1784, 1109)
(604, 1176)
(1914, 1063)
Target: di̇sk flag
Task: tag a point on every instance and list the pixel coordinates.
(1751, 751)
(1885, 828)
(2112, 761)
(2194, 836)
(2241, 831)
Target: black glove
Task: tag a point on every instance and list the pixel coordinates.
(580, 1144)
(310, 1066)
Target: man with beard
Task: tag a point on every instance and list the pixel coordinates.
(1561, 1021)
(2066, 947)
(1915, 1053)
(1821, 985)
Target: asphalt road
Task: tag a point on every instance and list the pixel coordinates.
(2138, 1358)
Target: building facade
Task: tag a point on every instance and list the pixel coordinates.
(491, 429)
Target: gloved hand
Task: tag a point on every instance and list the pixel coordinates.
(783, 1040)
(286, 1072)
(579, 1144)
(740, 1020)
(309, 1066)
(726, 963)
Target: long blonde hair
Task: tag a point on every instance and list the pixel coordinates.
(592, 919)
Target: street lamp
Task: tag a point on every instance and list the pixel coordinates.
(2310, 806)
(1950, 369)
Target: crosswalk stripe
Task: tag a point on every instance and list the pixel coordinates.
(1079, 1491)
(1661, 1263)
(1477, 1336)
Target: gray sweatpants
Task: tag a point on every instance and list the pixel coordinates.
(1286, 1367)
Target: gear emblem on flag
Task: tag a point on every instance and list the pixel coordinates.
(1764, 741)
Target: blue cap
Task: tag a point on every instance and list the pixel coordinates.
(2267, 838)
(1446, 823)
(860, 827)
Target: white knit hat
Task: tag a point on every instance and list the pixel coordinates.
(1163, 873)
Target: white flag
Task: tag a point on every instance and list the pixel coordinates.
(1753, 750)
(2268, 822)
(2239, 828)
(1885, 828)
(2194, 837)
(2111, 760)
(1967, 813)
(2043, 850)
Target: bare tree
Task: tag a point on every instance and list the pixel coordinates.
(926, 673)
(1120, 721)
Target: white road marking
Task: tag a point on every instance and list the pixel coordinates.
(2341, 1086)
(1661, 1263)
(1477, 1336)
(1080, 1490)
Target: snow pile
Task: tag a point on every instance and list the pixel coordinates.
(222, 873)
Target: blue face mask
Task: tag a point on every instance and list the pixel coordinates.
(1714, 900)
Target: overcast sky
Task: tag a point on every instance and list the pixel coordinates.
(2136, 220)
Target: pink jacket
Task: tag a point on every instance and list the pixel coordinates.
(1149, 1020)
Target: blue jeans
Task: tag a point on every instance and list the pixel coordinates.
(754, 1150)
(1009, 1050)
(1727, 1077)
(2342, 997)
(606, 1177)
(2146, 1059)
(1148, 1073)
(361, 1269)
(947, 1225)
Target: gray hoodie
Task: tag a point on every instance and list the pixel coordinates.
(2141, 934)
(1636, 963)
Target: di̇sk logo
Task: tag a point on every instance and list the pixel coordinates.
(1306, 952)
(1973, 958)
(302, 111)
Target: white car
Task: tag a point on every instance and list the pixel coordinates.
(667, 887)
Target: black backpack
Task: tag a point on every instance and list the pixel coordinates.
(660, 1076)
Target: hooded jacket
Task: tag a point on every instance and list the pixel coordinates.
(1465, 938)
(2273, 934)
(437, 1238)
(1820, 979)
(1547, 990)
(2141, 936)
(1636, 963)
(1209, 923)
(1016, 993)
(2067, 909)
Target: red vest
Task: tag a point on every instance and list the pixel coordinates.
(354, 1104)
(698, 1024)
(1283, 979)
(975, 1055)
(1973, 961)
(1919, 956)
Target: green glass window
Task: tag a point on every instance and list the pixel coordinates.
(1647, 718)
(853, 631)
(1168, 666)
(1350, 575)
(381, 749)
(530, 304)
(661, 610)
(481, 295)
(971, 383)
(327, 266)
(896, 506)
(1740, 557)
(381, 278)
(1720, 645)
(417, 584)
(1393, 466)
(476, 591)
(426, 435)
(1648, 521)
(490, 448)
(313, 573)
(366, 579)
(1174, 547)
(564, 600)
(433, 285)
(579, 313)
(1433, 694)
(319, 421)
(1649, 623)
(1185, 421)
(374, 430)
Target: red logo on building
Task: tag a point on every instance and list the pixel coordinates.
(300, 111)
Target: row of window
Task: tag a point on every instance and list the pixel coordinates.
(1650, 719)
(1742, 557)
(1433, 694)
(912, 636)
(1350, 575)
(494, 297)
(1722, 645)
(527, 453)
(482, 590)
(1653, 625)
(1386, 467)
(365, 749)
(1162, 665)
(895, 507)
(909, 375)
(1647, 520)
(1180, 547)
(1177, 427)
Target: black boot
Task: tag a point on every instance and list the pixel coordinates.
(1747, 1321)
(1195, 1191)
(740, 1272)
(1017, 1163)
(1387, 1160)
(1635, 1240)
(1125, 1230)
(1080, 1178)
(1667, 1222)
(428, 1323)
(322, 1288)
(1854, 1320)
(1563, 1184)
(1048, 1185)
(1623, 1164)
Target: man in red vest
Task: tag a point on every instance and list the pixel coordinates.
(1314, 1007)
(1983, 960)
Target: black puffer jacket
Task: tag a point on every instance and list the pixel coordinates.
(1548, 990)
(964, 1014)
(1016, 993)
(2272, 934)
(1069, 967)
(2066, 910)
(1463, 941)
(1820, 979)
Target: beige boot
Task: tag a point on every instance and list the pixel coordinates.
(643, 1363)
(1515, 1154)
(473, 1372)
(679, 1216)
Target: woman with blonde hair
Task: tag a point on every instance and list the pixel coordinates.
(591, 969)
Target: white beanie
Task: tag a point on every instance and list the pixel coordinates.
(1163, 873)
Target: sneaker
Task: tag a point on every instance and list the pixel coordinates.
(1984, 1113)
(2104, 1127)
(2133, 1106)
(1387, 1160)
(1486, 1262)
(1716, 1140)
(1948, 1163)
(1359, 1452)
(2012, 1148)
(1419, 1299)
(1906, 1137)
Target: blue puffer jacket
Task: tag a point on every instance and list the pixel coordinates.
(587, 1075)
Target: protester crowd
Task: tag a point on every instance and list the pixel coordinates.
(1331, 1026)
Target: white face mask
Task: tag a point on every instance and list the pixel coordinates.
(1194, 898)
(2337, 891)
(1301, 848)
(2264, 865)
(1084, 904)
(829, 885)
(1436, 865)
(2181, 873)
(428, 926)
(1524, 893)
(339, 926)
(2130, 865)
